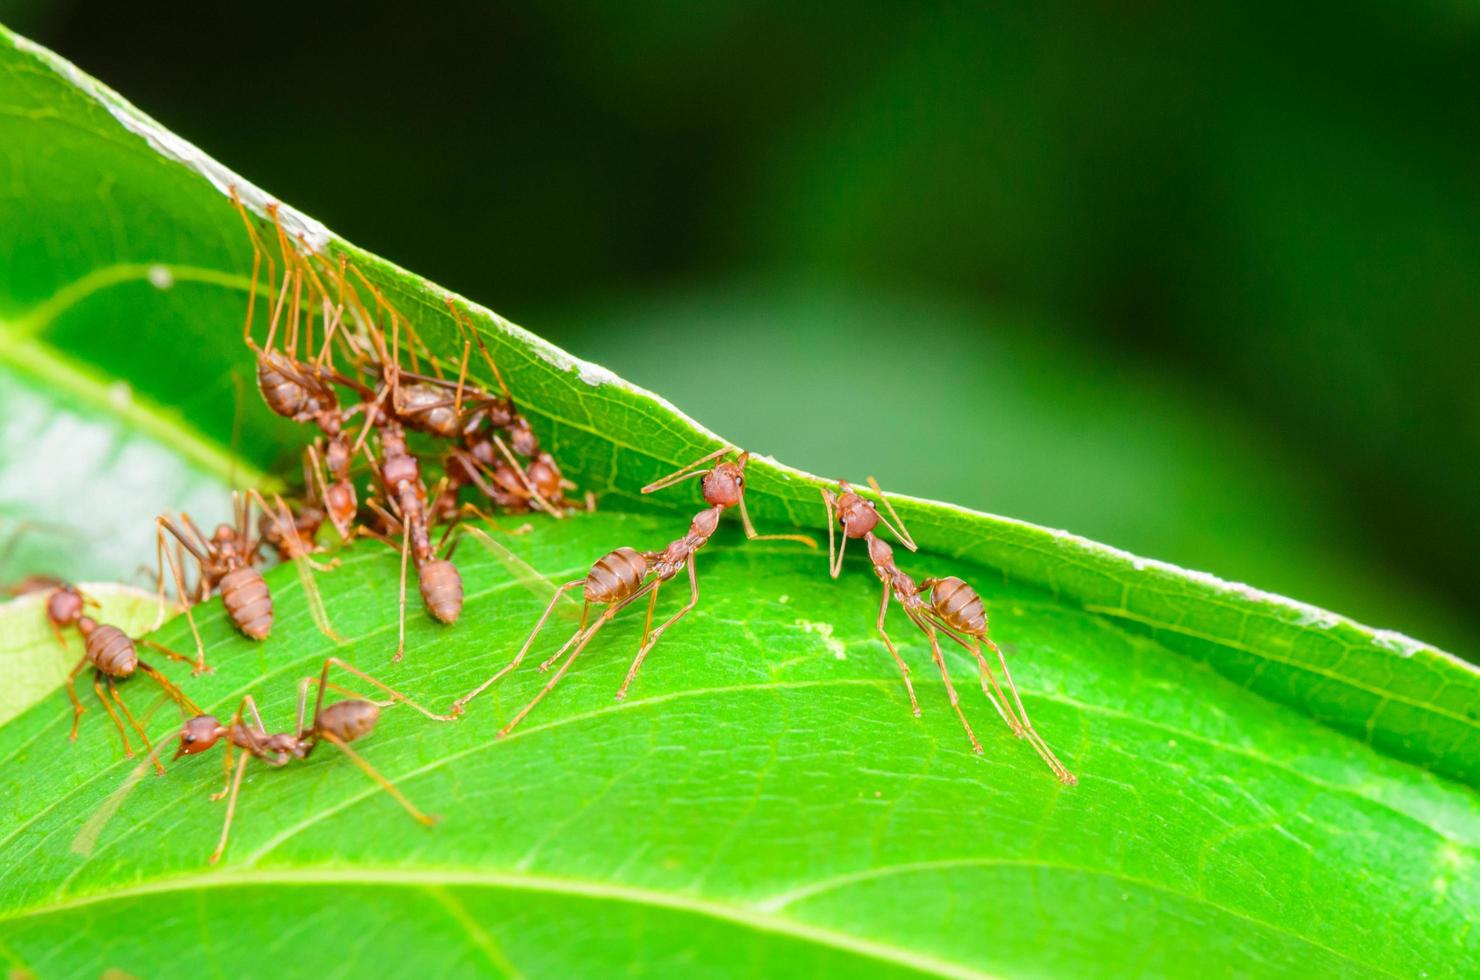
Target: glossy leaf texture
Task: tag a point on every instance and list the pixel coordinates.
(1264, 786)
(764, 789)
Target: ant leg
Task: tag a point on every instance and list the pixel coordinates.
(642, 645)
(316, 611)
(128, 750)
(462, 378)
(460, 703)
(77, 708)
(133, 722)
(288, 532)
(258, 254)
(904, 668)
(168, 686)
(162, 525)
(469, 508)
(529, 487)
(250, 704)
(384, 783)
(277, 310)
(940, 662)
(549, 661)
(405, 553)
(1065, 776)
(468, 330)
(290, 346)
(652, 641)
(750, 530)
(999, 700)
(236, 787)
(57, 632)
(228, 757)
(586, 636)
(834, 560)
(395, 694)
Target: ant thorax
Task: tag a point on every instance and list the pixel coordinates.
(399, 469)
(671, 560)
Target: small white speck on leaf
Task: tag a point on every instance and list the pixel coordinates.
(1395, 642)
(120, 395)
(825, 630)
(160, 277)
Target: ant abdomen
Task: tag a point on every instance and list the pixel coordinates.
(347, 720)
(247, 602)
(426, 408)
(283, 394)
(615, 576)
(111, 651)
(441, 589)
(959, 605)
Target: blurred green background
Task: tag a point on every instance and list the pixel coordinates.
(1200, 283)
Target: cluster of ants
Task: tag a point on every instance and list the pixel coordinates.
(489, 449)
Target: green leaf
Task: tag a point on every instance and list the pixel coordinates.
(1263, 785)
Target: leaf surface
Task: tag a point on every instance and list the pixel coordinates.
(1264, 785)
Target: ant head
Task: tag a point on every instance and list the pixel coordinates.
(857, 515)
(64, 607)
(724, 485)
(199, 734)
(225, 534)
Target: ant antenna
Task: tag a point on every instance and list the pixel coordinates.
(696, 468)
(899, 532)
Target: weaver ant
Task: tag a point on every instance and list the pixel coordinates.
(111, 653)
(625, 575)
(937, 606)
(461, 412)
(399, 474)
(227, 561)
(338, 724)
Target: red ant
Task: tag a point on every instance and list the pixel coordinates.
(227, 561)
(623, 576)
(298, 391)
(458, 411)
(338, 724)
(936, 605)
(111, 653)
(399, 475)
